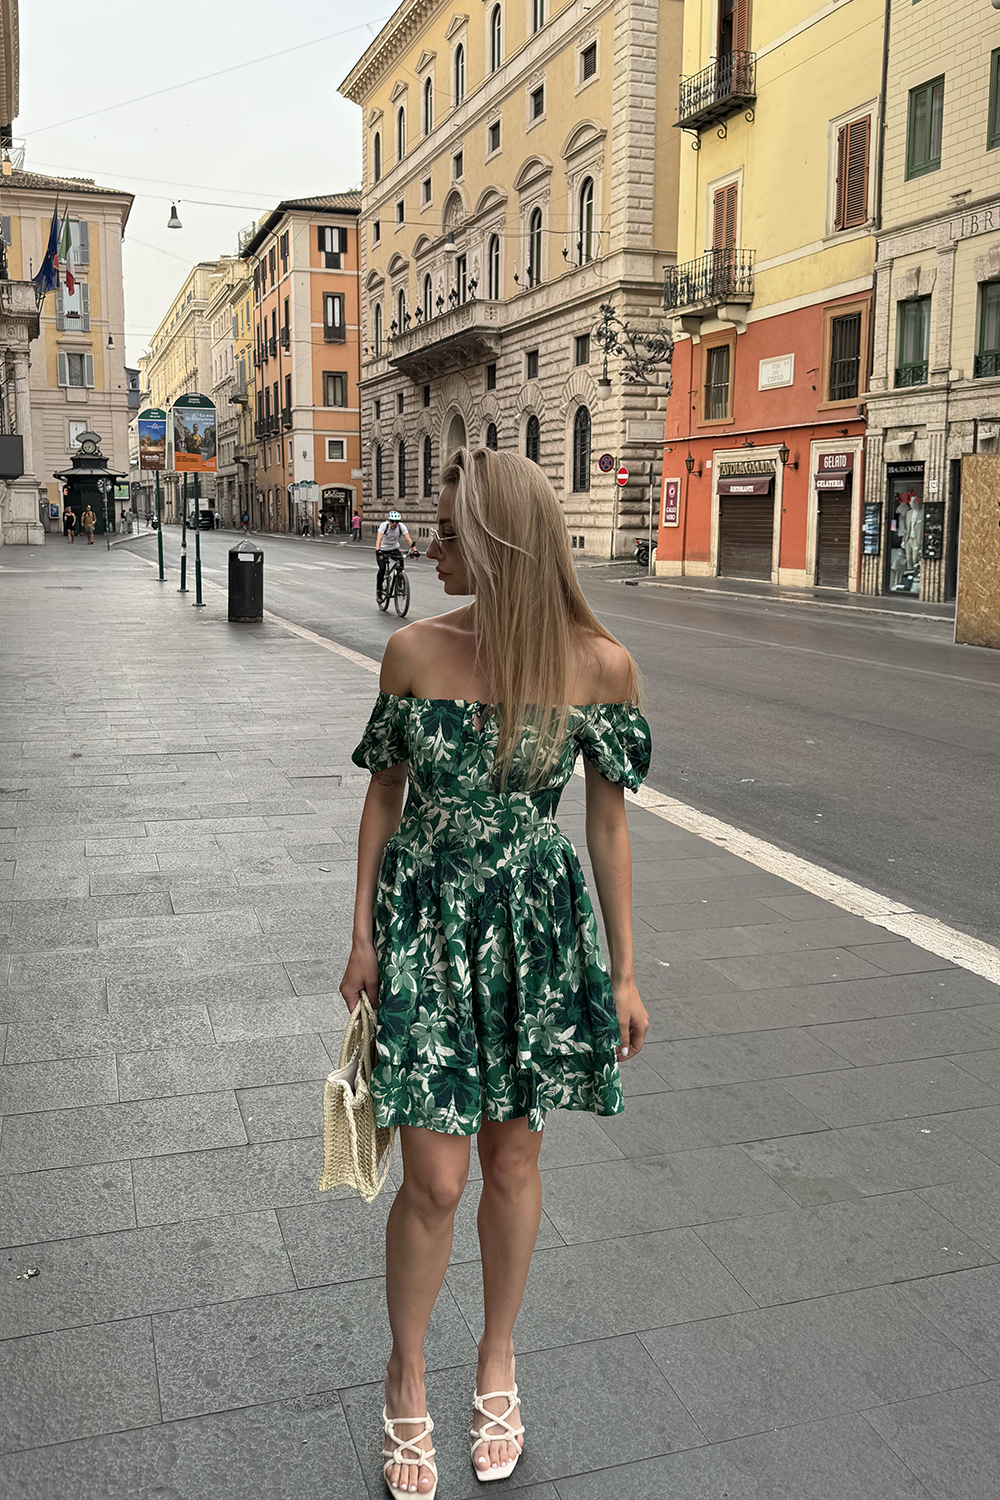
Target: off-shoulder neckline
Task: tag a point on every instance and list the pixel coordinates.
(485, 703)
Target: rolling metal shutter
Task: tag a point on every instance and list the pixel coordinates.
(833, 539)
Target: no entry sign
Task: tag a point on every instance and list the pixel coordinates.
(622, 475)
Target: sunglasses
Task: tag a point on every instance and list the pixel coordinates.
(442, 541)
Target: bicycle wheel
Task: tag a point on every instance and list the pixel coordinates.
(402, 594)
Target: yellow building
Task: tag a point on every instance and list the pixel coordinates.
(519, 170)
(779, 112)
(77, 375)
(244, 388)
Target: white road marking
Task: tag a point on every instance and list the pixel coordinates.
(926, 932)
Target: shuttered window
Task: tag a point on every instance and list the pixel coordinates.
(852, 173)
(734, 26)
(428, 466)
(378, 471)
(80, 231)
(724, 206)
(332, 246)
(73, 312)
(75, 370)
(923, 133)
(401, 470)
(717, 383)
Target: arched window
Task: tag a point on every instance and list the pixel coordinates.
(401, 470)
(428, 466)
(400, 133)
(581, 451)
(532, 439)
(459, 74)
(586, 240)
(378, 471)
(377, 155)
(493, 268)
(377, 329)
(535, 247)
(491, 436)
(428, 105)
(496, 41)
(401, 309)
(428, 298)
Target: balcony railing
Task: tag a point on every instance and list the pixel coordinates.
(714, 278)
(465, 334)
(915, 374)
(285, 338)
(986, 364)
(334, 333)
(272, 347)
(726, 86)
(286, 416)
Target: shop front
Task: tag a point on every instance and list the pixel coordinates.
(834, 482)
(338, 508)
(746, 518)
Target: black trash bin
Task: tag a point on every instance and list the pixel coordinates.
(246, 583)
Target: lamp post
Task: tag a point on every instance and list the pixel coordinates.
(104, 485)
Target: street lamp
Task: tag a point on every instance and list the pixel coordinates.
(783, 454)
(643, 354)
(689, 463)
(174, 222)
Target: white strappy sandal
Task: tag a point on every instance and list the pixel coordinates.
(398, 1454)
(509, 1433)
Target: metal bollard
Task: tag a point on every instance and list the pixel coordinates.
(246, 583)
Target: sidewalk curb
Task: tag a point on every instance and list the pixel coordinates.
(858, 609)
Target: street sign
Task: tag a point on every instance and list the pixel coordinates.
(194, 435)
(605, 463)
(152, 438)
(621, 477)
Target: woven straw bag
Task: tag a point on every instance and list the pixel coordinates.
(356, 1152)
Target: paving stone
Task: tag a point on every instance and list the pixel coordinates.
(68, 1385)
(283, 1111)
(905, 1038)
(110, 1132)
(739, 1059)
(657, 1192)
(65, 929)
(658, 1123)
(679, 979)
(66, 1202)
(162, 1072)
(573, 1138)
(841, 1459)
(178, 929)
(964, 1306)
(100, 1034)
(241, 1353)
(864, 1160)
(29, 972)
(950, 1442)
(259, 982)
(699, 942)
(840, 1247)
(890, 1091)
(973, 1205)
(250, 1019)
(63, 1084)
(901, 958)
(227, 1457)
(139, 1271)
(585, 1406)
(777, 1367)
(817, 966)
(799, 936)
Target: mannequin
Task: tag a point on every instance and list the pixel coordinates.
(913, 533)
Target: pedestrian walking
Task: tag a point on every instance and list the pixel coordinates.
(356, 526)
(87, 523)
(69, 523)
(473, 930)
(245, 522)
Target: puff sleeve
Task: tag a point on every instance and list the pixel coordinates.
(383, 743)
(615, 738)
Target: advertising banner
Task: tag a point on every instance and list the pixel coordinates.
(152, 438)
(193, 438)
(671, 502)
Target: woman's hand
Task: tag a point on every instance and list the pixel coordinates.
(632, 1019)
(360, 975)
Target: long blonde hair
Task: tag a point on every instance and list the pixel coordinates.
(531, 618)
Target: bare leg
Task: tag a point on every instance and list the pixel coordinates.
(509, 1214)
(417, 1246)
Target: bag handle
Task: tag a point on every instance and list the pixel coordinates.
(359, 1035)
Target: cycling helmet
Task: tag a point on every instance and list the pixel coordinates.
(395, 516)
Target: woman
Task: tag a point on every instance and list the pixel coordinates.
(472, 923)
(69, 523)
(88, 521)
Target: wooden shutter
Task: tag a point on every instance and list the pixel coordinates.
(60, 309)
(88, 378)
(62, 370)
(84, 290)
(84, 251)
(852, 173)
(724, 217)
(6, 228)
(741, 26)
(343, 241)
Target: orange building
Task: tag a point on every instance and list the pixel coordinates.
(305, 265)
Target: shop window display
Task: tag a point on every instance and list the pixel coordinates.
(906, 528)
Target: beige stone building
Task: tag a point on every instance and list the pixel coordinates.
(520, 169)
(232, 289)
(77, 374)
(935, 385)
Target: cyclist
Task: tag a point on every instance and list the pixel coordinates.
(387, 543)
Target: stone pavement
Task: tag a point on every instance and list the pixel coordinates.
(776, 1275)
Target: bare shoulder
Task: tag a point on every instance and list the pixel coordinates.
(608, 670)
(407, 652)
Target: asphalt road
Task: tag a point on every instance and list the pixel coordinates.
(868, 746)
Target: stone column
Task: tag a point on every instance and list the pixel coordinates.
(21, 525)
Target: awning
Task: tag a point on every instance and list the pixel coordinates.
(746, 484)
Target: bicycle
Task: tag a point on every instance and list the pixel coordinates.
(395, 586)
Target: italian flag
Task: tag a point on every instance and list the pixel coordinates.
(64, 261)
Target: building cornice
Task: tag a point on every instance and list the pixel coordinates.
(395, 36)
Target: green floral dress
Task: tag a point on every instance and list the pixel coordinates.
(494, 999)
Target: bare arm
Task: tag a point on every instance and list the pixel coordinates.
(611, 856)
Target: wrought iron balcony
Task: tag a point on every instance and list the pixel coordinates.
(915, 374)
(986, 364)
(286, 416)
(458, 338)
(285, 337)
(715, 278)
(726, 86)
(272, 347)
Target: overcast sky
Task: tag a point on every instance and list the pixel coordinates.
(274, 129)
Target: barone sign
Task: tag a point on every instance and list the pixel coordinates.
(744, 466)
